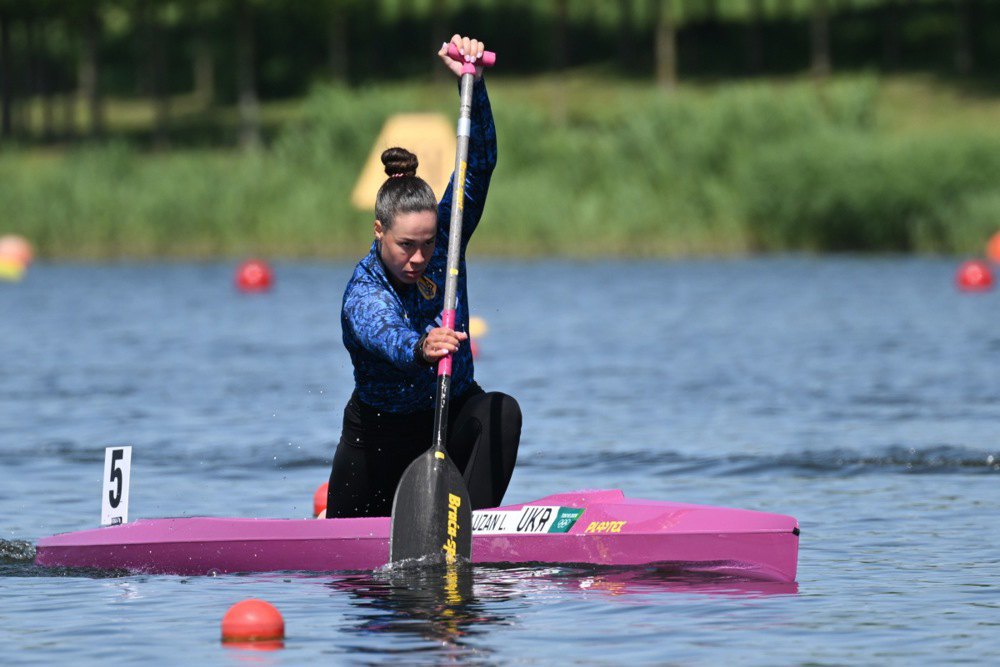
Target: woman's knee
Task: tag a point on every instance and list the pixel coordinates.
(510, 415)
(503, 406)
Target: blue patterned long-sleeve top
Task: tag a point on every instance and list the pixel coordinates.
(381, 325)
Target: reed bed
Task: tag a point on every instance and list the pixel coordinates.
(587, 168)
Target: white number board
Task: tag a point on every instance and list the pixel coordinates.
(114, 499)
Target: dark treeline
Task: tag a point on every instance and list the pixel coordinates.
(64, 58)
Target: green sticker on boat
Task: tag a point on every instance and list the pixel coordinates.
(565, 520)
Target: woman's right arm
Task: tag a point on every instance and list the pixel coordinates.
(375, 322)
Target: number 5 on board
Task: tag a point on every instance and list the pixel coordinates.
(114, 500)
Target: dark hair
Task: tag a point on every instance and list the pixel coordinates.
(403, 191)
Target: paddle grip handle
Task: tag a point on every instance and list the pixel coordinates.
(487, 60)
(448, 322)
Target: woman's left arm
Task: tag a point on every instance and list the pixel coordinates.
(481, 161)
(482, 133)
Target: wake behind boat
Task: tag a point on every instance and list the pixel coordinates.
(581, 527)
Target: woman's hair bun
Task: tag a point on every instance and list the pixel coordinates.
(399, 161)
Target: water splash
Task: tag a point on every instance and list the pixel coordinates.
(13, 552)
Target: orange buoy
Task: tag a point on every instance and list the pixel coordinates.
(16, 250)
(993, 248)
(252, 620)
(974, 276)
(319, 500)
(475, 348)
(254, 275)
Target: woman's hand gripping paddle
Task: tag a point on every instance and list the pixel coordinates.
(431, 512)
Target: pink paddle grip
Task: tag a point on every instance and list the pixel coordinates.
(448, 322)
(487, 60)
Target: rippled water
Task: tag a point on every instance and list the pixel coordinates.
(861, 396)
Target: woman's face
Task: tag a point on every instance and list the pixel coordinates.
(408, 245)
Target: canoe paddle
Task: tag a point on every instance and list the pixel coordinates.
(431, 511)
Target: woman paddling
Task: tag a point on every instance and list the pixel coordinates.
(390, 321)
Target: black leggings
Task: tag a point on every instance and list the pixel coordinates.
(376, 447)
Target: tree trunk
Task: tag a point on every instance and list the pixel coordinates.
(160, 91)
(755, 37)
(48, 104)
(821, 39)
(6, 85)
(32, 85)
(41, 74)
(890, 44)
(203, 60)
(439, 30)
(68, 108)
(204, 71)
(626, 34)
(89, 89)
(336, 40)
(560, 37)
(45, 85)
(142, 36)
(249, 108)
(665, 44)
(964, 58)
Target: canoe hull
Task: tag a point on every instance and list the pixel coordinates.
(611, 530)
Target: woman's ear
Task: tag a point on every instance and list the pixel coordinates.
(378, 230)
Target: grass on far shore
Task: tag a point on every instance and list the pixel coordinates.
(589, 166)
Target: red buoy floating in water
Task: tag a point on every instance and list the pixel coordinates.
(974, 276)
(319, 500)
(254, 624)
(254, 275)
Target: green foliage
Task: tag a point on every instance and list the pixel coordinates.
(583, 171)
(676, 174)
(850, 192)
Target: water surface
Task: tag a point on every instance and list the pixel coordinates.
(860, 396)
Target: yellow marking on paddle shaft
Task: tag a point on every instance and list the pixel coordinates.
(451, 546)
(460, 195)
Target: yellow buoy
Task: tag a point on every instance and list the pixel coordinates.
(478, 327)
(11, 270)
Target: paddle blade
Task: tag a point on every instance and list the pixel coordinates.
(431, 513)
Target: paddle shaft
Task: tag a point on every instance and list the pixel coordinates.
(443, 394)
(431, 511)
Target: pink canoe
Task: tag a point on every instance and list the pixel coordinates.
(581, 527)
